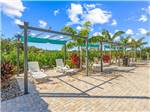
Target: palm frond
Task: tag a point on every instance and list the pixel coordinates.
(68, 29)
(70, 45)
(106, 35)
(118, 33)
(96, 39)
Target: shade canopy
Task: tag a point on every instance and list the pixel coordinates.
(43, 40)
(51, 41)
(59, 42)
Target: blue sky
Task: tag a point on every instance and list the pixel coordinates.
(131, 17)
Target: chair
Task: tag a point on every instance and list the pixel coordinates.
(60, 67)
(96, 65)
(132, 62)
(34, 70)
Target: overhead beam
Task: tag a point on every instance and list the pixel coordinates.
(50, 31)
(67, 34)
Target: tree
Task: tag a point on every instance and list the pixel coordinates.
(125, 42)
(110, 38)
(138, 43)
(78, 42)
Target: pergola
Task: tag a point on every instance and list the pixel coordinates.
(27, 38)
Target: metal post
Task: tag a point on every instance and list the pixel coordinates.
(140, 54)
(110, 53)
(134, 53)
(80, 57)
(18, 52)
(87, 66)
(65, 50)
(25, 58)
(101, 56)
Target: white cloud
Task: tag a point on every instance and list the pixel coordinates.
(97, 33)
(142, 30)
(46, 36)
(114, 22)
(147, 9)
(74, 12)
(117, 38)
(92, 29)
(129, 32)
(42, 23)
(12, 8)
(18, 22)
(90, 5)
(33, 34)
(116, 30)
(56, 12)
(110, 34)
(143, 18)
(97, 16)
(78, 28)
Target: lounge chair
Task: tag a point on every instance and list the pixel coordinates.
(132, 62)
(60, 67)
(35, 72)
(97, 65)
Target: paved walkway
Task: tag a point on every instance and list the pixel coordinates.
(123, 92)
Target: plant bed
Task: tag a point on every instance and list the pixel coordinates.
(10, 89)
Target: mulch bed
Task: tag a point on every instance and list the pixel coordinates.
(11, 90)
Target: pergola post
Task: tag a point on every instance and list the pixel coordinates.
(18, 52)
(65, 52)
(25, 58)
(134, 53)
(147, 54)
(80, 57)
(101, 43)
(87, 56)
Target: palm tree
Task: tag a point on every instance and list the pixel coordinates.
(77, 42)
(138, 44)
(110, 38)
(99, 39)
(124, 42)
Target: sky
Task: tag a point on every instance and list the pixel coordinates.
(131, 17)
